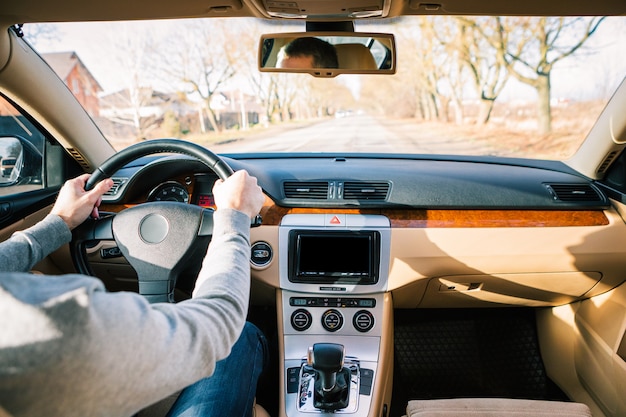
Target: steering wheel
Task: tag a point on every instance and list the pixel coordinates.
(156, 238)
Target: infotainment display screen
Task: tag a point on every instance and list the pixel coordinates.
(334, 256)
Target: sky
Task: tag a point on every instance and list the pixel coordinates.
(95, 45)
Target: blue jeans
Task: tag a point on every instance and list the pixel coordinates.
(230, 391)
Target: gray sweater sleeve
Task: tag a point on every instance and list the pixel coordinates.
(69, 348)
(24, 249)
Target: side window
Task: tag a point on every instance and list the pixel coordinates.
(21, 152)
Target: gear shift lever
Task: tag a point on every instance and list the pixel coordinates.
(327, 360)
(332, 382)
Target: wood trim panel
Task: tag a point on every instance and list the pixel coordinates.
(414, 218)
(425, 218)
(498, 218)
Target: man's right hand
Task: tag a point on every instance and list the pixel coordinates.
(240, 192)
(74, 204)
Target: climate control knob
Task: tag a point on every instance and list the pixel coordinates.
(363, 321)
(301, 319)
(332, 320)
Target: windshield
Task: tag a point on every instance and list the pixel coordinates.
(506, 86)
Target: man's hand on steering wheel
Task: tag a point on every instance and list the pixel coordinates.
(74, 204)
(228, 194)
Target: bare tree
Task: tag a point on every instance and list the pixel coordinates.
(530, 47)
(488, 70)
(41, 32)
(140, 108)
(320, 97)
(288, 89)
(205, 63)
(283, 96)
(275, 93)
(420, 76)
(440, 57)
(134, 54)
(264, 86)
(426, 66)
(450, 44)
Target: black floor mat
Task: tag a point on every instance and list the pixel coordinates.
(267, 389)
(467, 353)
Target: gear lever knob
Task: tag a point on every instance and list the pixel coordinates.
(327, 359)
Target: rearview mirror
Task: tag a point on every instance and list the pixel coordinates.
(328, 54)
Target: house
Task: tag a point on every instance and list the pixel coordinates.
(129, 104)
(235, 108)
(69, 67)
(140, 113)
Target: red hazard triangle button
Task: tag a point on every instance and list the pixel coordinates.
(335, 220)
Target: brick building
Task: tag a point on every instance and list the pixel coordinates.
(69, 67)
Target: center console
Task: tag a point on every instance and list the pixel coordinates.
(336, 315)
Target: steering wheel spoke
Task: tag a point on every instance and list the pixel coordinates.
(94, 229)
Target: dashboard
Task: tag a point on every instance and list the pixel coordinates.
(433, 231)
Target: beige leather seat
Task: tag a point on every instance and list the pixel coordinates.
(494, 407)
(355, 56)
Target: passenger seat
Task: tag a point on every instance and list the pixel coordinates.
(494, 407)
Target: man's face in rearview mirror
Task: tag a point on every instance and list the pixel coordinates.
(305, 61)
(308, 52)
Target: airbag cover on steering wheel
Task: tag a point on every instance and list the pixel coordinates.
(156, 239)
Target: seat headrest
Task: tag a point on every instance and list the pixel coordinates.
(355, 56)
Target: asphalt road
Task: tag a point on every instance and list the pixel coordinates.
(358, 133)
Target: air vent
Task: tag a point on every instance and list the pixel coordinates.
(75, 153)
(312, 190)
(607, 162)
(117, 183)
(365, 190)
(574, 193)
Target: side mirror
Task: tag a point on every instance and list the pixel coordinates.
(328, 54)
(20, 162)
